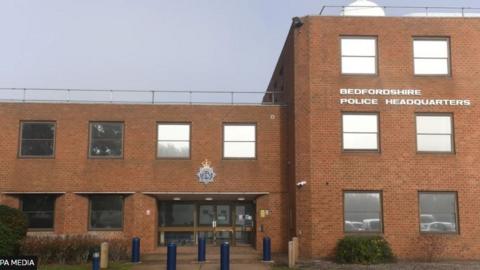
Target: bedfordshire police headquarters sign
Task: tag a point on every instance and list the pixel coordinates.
(205, 173)
(350, 97)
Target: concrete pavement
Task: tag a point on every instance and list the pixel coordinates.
(207, 266)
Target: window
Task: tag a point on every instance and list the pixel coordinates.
(239, 141)
(106, 139)
(206, 214)
(359, 55)
(176, 214)
(438, 212)
(431, 56)
(37, 139)
(363, 212)
(106, 212)
(434, 133)
(360, 131)
(173, 141)
(40, 211)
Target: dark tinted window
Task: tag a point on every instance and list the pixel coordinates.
(206, 214)
(176, 214)
(106, 139)
(38, 139)
(39, 210)
(363, 212)
(223, 215)
(179, 238)
(106, 212)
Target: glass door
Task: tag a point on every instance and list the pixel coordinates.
(244, 226)
(206, 222)
(215, 223)
(176, 223)
(223, 228)
(183, 222)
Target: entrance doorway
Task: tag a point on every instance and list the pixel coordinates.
(183, 222)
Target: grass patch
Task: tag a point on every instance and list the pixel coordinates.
(111, 266)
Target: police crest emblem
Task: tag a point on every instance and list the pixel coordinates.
(205, 173)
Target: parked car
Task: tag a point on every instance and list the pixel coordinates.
(441, 227)
(425, 220)
(372, 224)
(353, 226)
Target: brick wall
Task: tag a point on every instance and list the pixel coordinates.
(139, 171)
(398, 171)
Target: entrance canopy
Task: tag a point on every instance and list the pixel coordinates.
(209, 196)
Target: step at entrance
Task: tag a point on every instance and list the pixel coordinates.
(187, 255)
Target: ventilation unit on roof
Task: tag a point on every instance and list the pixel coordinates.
(363, 8)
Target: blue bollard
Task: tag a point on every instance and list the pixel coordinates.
(225, 256)
(202, 247)
(135, 250)
(171, 256)
(96, 261)
(267, 249)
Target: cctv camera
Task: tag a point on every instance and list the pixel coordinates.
(301, 183)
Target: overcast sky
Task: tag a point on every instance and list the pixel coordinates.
(229, 45)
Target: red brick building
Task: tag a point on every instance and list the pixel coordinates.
(369, 126)
(138, 191)
(382, 126)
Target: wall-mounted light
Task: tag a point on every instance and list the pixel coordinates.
(241, 199)
(177, 198)
(209, 199)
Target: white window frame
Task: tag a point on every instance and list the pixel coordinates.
(344, 56)
(225, 141)
(173, 140)
(451, 134)
(447, 58)
(377, 115)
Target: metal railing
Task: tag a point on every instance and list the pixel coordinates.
(138, 96)
(414, 11)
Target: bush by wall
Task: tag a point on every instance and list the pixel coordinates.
(15, 219)
(8, 241)
(363, 250)
(13, 230)
(72, 249)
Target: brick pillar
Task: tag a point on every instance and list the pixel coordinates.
(75, 215)
(129, 216)
(275, 223)
(60, 215)
(145, 221)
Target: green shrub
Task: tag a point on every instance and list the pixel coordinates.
(8, 241)
(15, 219)
(14, 229)
(72, 249)
(363, 250)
